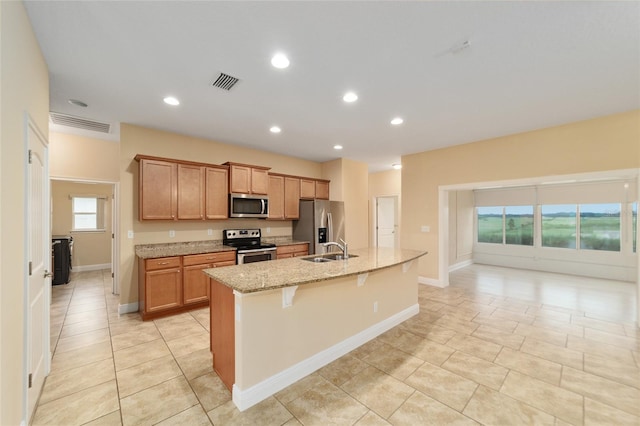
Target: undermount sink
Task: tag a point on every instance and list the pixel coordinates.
(327, 257)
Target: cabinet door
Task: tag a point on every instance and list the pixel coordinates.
(291, 198)
(307, 189)
(158, 190)
(163, 289)
(190, 192)
(216, 199)
(276, 197)
(322, 190)
(259, 181)
(195, 283)
(240, 179)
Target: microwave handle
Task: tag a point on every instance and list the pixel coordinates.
(263, 204)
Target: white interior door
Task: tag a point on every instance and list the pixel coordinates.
(39, 281)
(386, 221)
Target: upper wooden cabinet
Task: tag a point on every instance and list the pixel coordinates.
(181, 190)
(246, 179)
(322, 189)
(216, 199)
(307, 188)
(158, 189)
(284, 197)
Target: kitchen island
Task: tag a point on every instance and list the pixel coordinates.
(273, 323)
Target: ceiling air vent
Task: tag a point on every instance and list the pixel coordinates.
(79, 123)
(225, 81)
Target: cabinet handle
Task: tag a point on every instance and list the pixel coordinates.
(163, 263)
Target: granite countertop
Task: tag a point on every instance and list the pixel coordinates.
(151, 251)
(261, 276)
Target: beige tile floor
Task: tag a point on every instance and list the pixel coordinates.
(498, 346)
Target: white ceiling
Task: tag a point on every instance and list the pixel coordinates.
(530, 65)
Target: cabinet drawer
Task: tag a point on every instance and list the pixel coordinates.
(291, 248)
(200, 259)
(162, 263)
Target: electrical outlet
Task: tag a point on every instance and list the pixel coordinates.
(375, 307)
(209, 231)
(130, 234)
(172, 233)
(268, 229)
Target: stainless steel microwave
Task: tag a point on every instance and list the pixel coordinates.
(248, 205)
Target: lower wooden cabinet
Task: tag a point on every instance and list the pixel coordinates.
(169, 285)
(293, 250)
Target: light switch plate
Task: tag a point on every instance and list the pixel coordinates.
(209, 231)
(172, 233)
(130, 234)
(425, 228)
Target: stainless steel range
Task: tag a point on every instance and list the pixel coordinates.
(248, 245)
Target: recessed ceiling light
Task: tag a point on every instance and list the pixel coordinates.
(396, 166)
(350, 97)
(396, 121)
(338, 147)
(78, 103)
(170, 100)
(280, 61)
(275, 129)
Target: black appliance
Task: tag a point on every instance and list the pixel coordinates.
(62, 253)
(248, 246)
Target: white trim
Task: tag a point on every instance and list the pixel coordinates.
(432, 282)
(96, 267)
(244, 399)
(127, 308)
(460, 265)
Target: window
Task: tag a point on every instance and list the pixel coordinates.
(600, 227)
(559, 225)
(518, 225)
(490, 224)
(88, 213)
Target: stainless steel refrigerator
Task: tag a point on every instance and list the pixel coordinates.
(321, 221)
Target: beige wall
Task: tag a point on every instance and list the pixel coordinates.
(383, 184)
(600, 144)
(81, 157)
(350, 183)
(89, 248)
(139, 140)
(25, 89)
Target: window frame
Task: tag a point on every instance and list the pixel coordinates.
(99, 214)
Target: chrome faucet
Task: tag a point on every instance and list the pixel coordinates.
(344, 247)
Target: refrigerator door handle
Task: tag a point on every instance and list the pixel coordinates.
(330, 226)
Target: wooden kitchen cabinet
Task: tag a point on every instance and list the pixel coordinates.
(292, 250)
(276, 197)
(322, 189)
(182, 190)
(246, 179)
(284, 197)
(158, 189)
(160, 287)
(170, 285)
(291, 198)
(216, 195)
(307, 189)
(191, 193)
(196, 284)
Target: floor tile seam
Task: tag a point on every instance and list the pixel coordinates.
(93, 384)
(184, 336)
(77, 392)
(86, 331)
(105, 415)
(600, 376)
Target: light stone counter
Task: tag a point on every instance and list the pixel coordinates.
(282, 241)
(152, 251)
(261, 276)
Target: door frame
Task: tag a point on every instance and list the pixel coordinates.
(115, 223)
(29, 123)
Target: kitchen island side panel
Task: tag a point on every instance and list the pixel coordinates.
(271, 338)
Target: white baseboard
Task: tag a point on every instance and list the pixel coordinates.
(244, 399)
(460, 265)
(97, 267)
(127, 308)
(430, 281)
